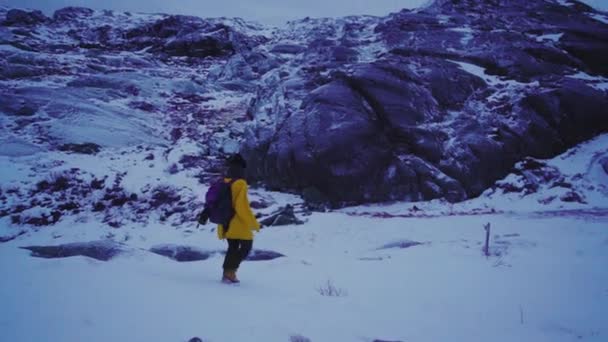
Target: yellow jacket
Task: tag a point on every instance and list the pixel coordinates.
(244, 221)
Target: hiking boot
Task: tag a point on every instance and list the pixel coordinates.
(229, 277)
(225, 278)
(233, 277)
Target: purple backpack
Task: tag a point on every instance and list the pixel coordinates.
(218, 203)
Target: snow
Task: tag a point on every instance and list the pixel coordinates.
(17, 147)
(399, 272)
(566, 3)
(491, 79)
(404, 271)
(467, 33)
(599, 17)
(554, 37)
(443, 19)
(11, 172)
(597, 82)
(551, 273)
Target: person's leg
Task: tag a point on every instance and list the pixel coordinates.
(231, 260)
(244, 249)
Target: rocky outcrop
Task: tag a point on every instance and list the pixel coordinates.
(17, 17)
(437, 102)
(188, 36)
(72, 13)
(461, 91)
(283, 217)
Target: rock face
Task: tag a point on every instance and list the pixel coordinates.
(438, 102)
(454, 95)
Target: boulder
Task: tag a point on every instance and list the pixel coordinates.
(72, 13)
(18, 17)
(283, 217)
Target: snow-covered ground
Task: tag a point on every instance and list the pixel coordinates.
(545, 279)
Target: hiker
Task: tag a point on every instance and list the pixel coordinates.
(239, 233)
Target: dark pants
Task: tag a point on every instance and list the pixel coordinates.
(237, 252)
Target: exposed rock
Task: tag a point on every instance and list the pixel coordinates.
(573, 196)
(444, 113)
(17, 17)
(17, 71)
(439, 102)
(574, 111)
(401, 244)
(100, 250)
(168, 27)
(189, 253)
(164, 195)
(198, 45)
(529, 175)
(179, 35)
(143, 105)
(71, 13)
(11, 106)
(285, 216)
(288, 48)
(11, 237)
(604, 163)
(259, 204)
(181, 253)
(84, 148)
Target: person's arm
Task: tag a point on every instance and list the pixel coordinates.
(242, 208)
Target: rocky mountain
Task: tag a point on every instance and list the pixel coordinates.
(438, 102)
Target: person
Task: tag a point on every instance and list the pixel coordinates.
(240, 229)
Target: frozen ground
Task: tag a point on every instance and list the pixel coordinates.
(346, 275)
(386, 272)
(545, 280)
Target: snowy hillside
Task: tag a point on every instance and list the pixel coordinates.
(438, 102)
(373, 273)
(379, 148)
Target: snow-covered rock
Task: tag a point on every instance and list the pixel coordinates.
(439, 102)
(454, 97)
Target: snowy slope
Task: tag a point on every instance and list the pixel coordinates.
(110, 150)
(546, 281)
(399, 273)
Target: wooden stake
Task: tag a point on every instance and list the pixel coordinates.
(486, 247)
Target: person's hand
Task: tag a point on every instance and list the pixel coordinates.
(203, 217)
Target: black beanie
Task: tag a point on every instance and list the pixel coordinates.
(237, 160)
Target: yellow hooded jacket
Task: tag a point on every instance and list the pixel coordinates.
(244, 221)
